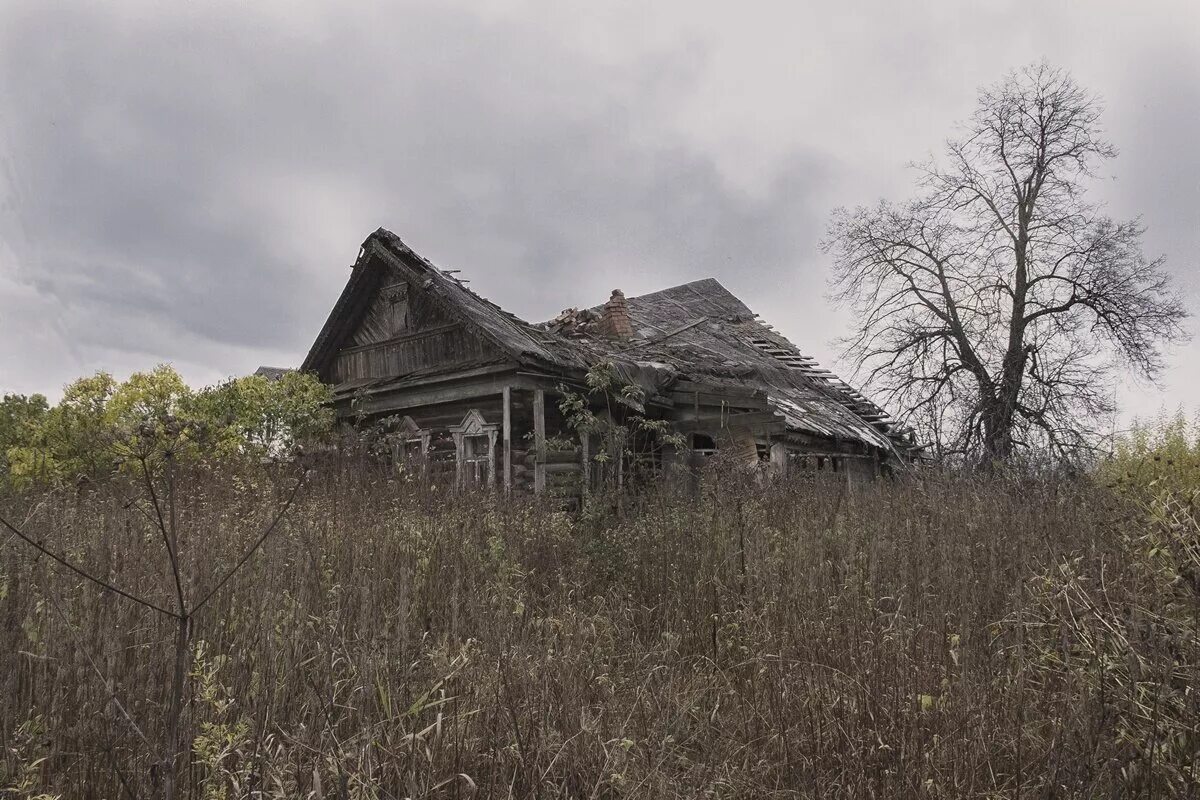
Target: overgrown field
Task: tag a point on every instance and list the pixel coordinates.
(932, 637)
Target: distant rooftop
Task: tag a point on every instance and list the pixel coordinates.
(272, 373)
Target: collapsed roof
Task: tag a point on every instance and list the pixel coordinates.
(694, 335)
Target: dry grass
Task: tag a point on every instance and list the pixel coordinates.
(938, 637)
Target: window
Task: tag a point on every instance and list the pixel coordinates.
(703, 444)
(396, 298)
(475, 450)
(410, 446)
(411, 451)
(476, 460)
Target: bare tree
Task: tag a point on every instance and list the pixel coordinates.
(994, 309)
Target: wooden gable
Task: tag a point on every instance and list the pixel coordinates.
(396, 309)
(401, 330)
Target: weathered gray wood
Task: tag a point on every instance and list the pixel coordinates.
(555, 457)
(585, 460)
(764, 422)
(386, 315)
(730, 393)
(402, 323)
(506, 394)
(402, 399)
(377, 386)
(408, 336)
(716, 399)
(492, 459)
(398, 356)
(779, 460)
(831, 454)
(667, 335)
(539, 440)
(749, 419)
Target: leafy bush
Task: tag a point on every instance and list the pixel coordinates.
(102, 425)
(1161, 455)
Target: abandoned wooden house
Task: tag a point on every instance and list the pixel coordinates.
(472, 392)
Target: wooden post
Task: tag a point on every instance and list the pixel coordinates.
(585, 463)
(779, 459)
(460, 453)
(539, 441)
(507, 396)
(491, 458)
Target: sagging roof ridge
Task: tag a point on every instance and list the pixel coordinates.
(507, 331)
(752, 350)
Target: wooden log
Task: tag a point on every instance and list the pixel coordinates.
(555, 457)
(560, 482)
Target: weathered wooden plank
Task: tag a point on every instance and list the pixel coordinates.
(467, 373)
(779, 459)
(485, 389)
(762, 429)
(506, 395)
(748, 419)
(794, 452)
(728, 392)
(716, 399)
(539, 440)
(452, 344)
(556, 457)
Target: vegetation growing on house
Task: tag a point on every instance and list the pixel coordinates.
(610, 415)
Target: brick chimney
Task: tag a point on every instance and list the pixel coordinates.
(614, 320)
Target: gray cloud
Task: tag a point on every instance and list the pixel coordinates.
(174, 174)
(189, 185)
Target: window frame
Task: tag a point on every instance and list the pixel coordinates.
(474, 427)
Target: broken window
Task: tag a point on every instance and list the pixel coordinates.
(703, 444)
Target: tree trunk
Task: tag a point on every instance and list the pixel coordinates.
(997, 433)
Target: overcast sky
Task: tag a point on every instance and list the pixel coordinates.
(189, 182)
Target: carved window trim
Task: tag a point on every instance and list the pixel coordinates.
(474, 425)
(409, 433)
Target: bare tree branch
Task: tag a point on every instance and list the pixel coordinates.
(997, 304)
(254, 547)
(36, 545)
